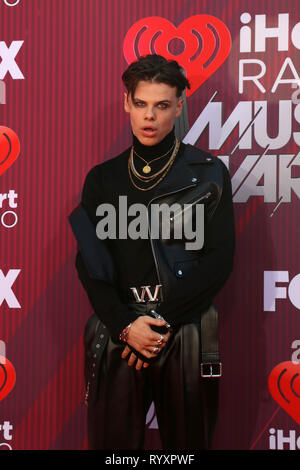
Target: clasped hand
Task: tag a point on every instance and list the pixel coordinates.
(144, 340)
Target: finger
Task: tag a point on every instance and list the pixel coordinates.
(156, 347)
(125, 352)
(139, 364)
(148, 352)
(163, 339)
(131, 359)
(146, 364)
(155, 350)
(154, 321)
(160, 340)
(167, 337)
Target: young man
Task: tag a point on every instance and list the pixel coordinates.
(154, 333)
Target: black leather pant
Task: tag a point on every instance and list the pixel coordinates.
(185, 403)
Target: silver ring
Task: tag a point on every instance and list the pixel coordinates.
(155, 349)
(160, 340)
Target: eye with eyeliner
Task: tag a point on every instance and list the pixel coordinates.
(138, 104)
(161, 105)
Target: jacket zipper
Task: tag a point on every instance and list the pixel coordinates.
(151, 241)
(206, 196)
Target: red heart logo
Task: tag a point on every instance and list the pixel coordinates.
(206, 39)
(9, 148)
(7, 377)
(284, 386)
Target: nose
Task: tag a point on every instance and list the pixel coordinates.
(149, 113)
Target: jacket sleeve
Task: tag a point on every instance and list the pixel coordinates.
(103, 294)
(215, 261)
(104, 300)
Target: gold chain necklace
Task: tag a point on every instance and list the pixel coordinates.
(151, 177)
(170, 162)
(147, 167)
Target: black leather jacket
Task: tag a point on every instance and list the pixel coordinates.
(199, 178)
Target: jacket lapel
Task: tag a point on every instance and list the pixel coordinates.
(182, 174)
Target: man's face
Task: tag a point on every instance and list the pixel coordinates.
(152, 110)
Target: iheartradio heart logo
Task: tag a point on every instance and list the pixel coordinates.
(7, 377)
(206, 44)
(9, 148)
(284, 386)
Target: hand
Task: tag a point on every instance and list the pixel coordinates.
(142, 338)
(132, 358)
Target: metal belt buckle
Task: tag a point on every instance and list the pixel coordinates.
(214, 368)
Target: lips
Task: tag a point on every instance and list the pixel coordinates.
(149, 131)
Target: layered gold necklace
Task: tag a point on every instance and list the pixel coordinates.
(147, 167)
(162, 172)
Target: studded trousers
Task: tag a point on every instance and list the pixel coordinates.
(185, 403)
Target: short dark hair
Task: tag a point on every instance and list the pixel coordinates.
(155, 68)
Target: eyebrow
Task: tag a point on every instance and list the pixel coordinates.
(158, 102)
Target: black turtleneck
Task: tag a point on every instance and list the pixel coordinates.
(149, 152)
(158, 155)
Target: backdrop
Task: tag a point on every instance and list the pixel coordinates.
(61, 105)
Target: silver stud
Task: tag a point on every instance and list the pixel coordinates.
(101, 336)
(179, 272)
(194, 180)
(95, 355)
(97, 345)
(208, 159)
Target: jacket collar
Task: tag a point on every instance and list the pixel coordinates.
(182, 174)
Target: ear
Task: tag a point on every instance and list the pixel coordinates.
(126, 104)
(179, 107)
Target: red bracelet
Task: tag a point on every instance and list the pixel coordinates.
(124, 334)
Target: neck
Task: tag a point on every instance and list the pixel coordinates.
(152, 151)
